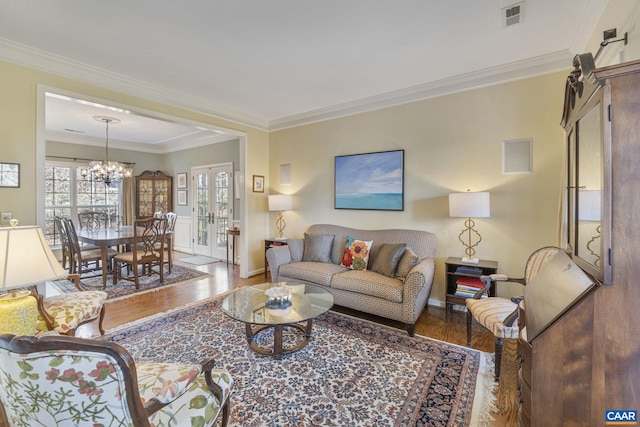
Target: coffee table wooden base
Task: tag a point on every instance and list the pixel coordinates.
(277, 351)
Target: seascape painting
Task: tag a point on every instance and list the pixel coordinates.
(370, 181)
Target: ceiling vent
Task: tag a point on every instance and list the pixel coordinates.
(512, 15)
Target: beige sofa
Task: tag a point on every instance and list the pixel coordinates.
(397, 292)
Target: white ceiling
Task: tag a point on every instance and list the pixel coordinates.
(278, 63)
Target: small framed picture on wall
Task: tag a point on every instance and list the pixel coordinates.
(10, 175)
(182, 180)
(258, 184)
(182, 197)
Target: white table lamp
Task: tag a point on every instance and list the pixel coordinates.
(279, 203)
(470, 205)
(25, 259)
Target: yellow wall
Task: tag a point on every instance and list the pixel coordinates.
(18, 107)
(452, 143)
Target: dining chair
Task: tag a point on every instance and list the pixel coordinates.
(147, 251)
(500, 315)
(171, 223)
(64, 241)
(82, 257)
(63, 381)
(66, 312)
(90, 220)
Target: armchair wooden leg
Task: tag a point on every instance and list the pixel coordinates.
(225, 413)
(469, 325)
(100, 328)
(498, 357)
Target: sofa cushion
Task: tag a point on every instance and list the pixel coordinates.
(369, 283)
(387, 258)
(313, 272)
(356, 253)
(317, 247)
(296, 249)
(407, 262)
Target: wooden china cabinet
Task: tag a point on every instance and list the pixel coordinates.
(153, 193)
(588, 360)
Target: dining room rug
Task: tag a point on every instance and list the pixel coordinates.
(179, 275)
(352, 373)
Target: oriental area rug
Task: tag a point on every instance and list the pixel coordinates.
(352, 373)
(179, 275)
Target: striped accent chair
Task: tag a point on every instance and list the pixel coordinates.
(500, 315)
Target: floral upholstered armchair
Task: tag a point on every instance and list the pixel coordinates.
(68, 381)
(66, 312)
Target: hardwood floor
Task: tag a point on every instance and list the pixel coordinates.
(431, 324)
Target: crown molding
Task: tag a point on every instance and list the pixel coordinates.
(115, 144)
(28, 56)
(41, 60)
(540, 65)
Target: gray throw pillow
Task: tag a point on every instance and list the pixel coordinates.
(407, 262)
(387, 258)
(317, 247)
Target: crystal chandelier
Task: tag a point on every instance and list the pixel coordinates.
(107, 171)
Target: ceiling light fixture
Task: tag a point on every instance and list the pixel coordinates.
(107, 171)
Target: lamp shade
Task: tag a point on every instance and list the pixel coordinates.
(25, 258)
(470, 205)
(280, 202)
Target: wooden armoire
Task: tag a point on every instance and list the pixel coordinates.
(588, 361)
(153, 193)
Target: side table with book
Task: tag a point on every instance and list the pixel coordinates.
(463, 281)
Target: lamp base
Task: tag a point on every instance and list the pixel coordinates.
(467, 260)
(18, 313)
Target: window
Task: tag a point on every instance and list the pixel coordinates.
(68, 193)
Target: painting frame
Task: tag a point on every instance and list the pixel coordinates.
(182, 198)
(370, 181)
(258, 184)
(181, 180)
(9, 175)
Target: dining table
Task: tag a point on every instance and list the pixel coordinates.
(105, 237)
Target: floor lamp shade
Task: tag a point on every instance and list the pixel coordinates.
(470, 205)
(25, 259)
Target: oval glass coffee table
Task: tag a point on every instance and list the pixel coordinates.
(259, 313)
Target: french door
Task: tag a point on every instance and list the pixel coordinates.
(212, 190)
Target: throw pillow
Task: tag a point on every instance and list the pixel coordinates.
(346, 253)
(317, 247)
(387, 258)
(407, 262)
(356, 253)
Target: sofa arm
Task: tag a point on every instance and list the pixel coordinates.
(417, 288)
(277, 256)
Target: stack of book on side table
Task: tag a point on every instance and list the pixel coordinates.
(467, 286)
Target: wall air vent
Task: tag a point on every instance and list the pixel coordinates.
(513, 14)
